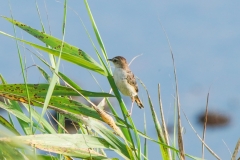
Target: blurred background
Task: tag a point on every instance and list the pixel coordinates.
(205, 39)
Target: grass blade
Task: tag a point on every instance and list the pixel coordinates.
(164, 150)
(234, 155)
(164, 128)
(97, 34)
(40, 90)
(8, 125)
(180, 139)
(44, 74)
(76, 145)
(55, 78)
(27, 129)
(205, 125)
(55, 43)
(145, 140)
(70, 54)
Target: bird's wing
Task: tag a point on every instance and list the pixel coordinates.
(131, 80)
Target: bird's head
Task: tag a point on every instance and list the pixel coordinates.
(119, 62)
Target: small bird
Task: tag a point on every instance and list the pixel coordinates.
(125, 80)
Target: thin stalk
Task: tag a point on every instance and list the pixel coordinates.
(145, 139)
(24, 77)
(55, 77)
(234, 155)
(205, 125)
(180, 139)
(165, 132)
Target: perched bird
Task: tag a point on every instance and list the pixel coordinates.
(125, 80)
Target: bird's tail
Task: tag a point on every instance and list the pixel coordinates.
(138, 101)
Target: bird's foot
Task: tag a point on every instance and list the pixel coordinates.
(129, 113)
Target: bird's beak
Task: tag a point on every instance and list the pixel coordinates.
(110, 60)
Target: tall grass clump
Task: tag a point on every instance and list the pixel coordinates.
(99, 131)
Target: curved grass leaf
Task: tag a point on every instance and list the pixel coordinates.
(55, 43)
(122, 149)
(46, 157)
(40, 90)
(24, 125)
(68, 56)
(69, 81)
(60, 74)
(44, 74)
(15, 109)
(22, 117)
(106, 133)
(8, 125)
(74, 110)
(59, 104)
(163, 149)
(76, 145)
(9, 152)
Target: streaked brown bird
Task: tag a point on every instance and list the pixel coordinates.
(125, 80)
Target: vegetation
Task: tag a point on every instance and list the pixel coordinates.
(98, 131)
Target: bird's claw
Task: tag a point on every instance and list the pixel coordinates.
(129, 114)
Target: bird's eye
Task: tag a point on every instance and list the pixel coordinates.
(114, 60)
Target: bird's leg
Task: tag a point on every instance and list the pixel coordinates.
(129, 114)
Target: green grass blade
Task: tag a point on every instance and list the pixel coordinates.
(17, 150)
(46, 157)
(164, 150)
(61, 75)
(145, 152)
(97, 34)
(8, 125)
(60, 104)
(5, 82)
(40, 90)
(44, 74)
(72, 83)
(10, 152)
(121, 148)
(165, 145)
(61, 118)
(24, 125)
(164, 128)
(17, 106)
(39, 15)
(27, 129)
(174, 155)
(55, 79)
(55, 43)
(180, 137)
(18, 114)
(47, 127)
(67, 54)
(76, 145)
(65, 106)
(51, 57)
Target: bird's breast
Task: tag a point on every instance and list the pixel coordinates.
(120, 78)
